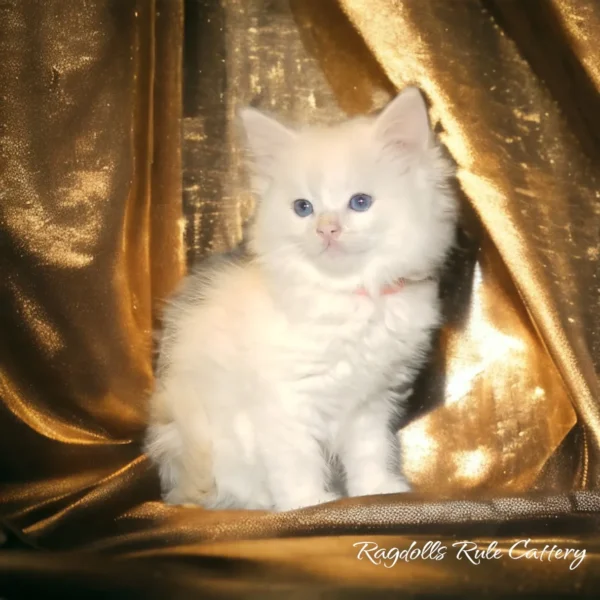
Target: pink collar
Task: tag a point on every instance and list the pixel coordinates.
(386, 290)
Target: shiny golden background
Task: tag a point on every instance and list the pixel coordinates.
(100, 123)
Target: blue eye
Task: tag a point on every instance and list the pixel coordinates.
(360, 202)
(303, 208)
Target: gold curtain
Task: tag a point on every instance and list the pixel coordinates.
(106, 109)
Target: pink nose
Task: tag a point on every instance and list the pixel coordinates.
(329, 231)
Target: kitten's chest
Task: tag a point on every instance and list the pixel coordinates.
(369, 342)
(354, 349)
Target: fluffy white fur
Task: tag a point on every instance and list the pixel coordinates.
(273, 365)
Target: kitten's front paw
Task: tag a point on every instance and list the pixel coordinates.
(391, 485)
(296, 503)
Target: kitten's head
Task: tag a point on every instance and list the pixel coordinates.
(365, 201)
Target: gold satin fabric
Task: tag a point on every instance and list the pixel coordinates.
(520, 117)
(97, 99)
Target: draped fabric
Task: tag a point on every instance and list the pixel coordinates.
(121, 165)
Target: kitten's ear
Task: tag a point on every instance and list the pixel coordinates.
(403, 125)
(266, 139)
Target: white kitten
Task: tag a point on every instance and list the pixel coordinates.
(275, 363)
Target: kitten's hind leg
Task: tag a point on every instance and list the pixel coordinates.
(184, 471)
(182, 451)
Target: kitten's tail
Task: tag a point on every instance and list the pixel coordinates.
(184, 460)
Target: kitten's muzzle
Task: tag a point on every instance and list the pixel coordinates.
(328, 228)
